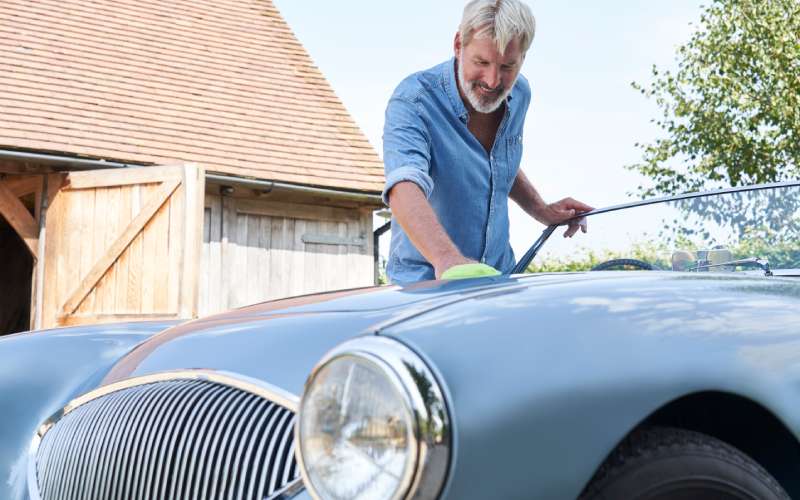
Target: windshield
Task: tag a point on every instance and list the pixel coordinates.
(754, 230)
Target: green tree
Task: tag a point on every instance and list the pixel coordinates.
(731, 109)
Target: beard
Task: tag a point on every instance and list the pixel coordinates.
(482, 103)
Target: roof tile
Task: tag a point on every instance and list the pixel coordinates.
(223, 83)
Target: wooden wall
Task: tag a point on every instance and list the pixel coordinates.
(256, 250)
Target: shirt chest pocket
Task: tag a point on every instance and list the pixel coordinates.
(514, 152)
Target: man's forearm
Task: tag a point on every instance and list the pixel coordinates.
(525, 195)
(417, 218)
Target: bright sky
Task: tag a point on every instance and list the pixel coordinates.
(584, 117)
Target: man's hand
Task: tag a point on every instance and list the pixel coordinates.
(526, 196)
(450, 262)
(562, 210)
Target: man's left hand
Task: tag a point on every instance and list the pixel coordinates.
(563, 210)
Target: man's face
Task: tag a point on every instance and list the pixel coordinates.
(486, 76)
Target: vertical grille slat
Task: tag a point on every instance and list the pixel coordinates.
(117, 436)
(176, 438)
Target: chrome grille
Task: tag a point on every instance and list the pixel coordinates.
(182, 438)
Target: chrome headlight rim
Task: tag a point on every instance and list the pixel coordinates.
(431, 427)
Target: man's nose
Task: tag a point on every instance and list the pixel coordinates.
(491, 78)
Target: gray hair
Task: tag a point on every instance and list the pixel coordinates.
(502, 20)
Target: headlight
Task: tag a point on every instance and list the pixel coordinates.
(373, 424)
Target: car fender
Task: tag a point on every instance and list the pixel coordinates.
(41, 372)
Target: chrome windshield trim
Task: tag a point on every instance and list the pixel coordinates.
(424, 399)
(526, 259)
(254, 386)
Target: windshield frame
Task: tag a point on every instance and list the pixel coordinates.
(526, 259)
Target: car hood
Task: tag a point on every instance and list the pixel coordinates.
(280, 341)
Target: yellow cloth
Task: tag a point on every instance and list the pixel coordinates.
(463, 271)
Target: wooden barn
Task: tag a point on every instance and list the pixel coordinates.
(169, 160)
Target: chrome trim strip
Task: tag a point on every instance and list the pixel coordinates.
(290, 491)
(424, 398)
(279, 397)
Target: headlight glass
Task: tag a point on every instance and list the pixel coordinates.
(356, 431)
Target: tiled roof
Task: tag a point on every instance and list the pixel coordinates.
(223, 83)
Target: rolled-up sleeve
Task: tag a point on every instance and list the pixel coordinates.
(406, 147)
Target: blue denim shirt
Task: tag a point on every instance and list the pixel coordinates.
(426, 141)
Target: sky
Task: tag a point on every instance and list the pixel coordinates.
(585, 117)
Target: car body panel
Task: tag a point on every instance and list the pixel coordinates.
(31, 389)
(613, 351)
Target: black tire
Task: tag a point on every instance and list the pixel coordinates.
(610, 264)
(661, 463)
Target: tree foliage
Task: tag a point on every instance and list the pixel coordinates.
(731, 109)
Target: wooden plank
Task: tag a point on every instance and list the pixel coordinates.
(175, 249)
(160, 261)
(296, 262)
(133, 293)
(236, 265)
(202, 304)
(106, 287)
(53, 217)
(136, 225)
(86, 224)
(19, 218)
(215, 257)
(277, 266)
(123, 177)
(124, 216)
(71, 249)
(294, 210)
(228, 250)
(192, 217)
(312, 260)
(334, 239)
(264, 242)
(149, 241)
(253, 249)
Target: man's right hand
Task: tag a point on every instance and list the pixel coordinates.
(449, 262)
(464, 271)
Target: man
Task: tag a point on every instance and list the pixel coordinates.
(452, 148)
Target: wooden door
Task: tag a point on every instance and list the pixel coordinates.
(123, 244)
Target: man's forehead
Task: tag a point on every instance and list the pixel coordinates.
(483, 44)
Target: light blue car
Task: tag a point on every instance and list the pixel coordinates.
(673, 372)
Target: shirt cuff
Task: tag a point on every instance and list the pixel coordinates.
(412, 174)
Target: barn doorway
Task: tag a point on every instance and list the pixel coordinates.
(16, 273)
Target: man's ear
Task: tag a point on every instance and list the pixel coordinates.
(457, 44)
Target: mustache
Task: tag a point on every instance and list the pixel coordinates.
(478, 84)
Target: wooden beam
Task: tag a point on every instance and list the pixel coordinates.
(119, 246)
(122, 177)
(294, 210)
(21, 186)
(19, 218)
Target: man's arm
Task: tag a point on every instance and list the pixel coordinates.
(525, 195)
(417, 218)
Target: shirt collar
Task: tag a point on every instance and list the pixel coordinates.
(451, 88)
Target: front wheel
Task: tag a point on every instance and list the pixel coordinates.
(660, 463)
